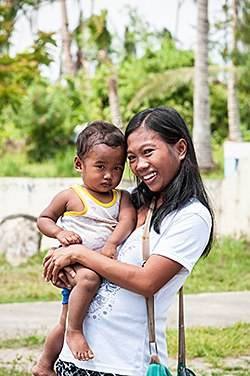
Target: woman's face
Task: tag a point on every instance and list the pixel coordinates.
(152, 160)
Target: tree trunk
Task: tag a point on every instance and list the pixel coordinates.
(114, 101)
(179, 5)
(201, 126)
(232, 101)
(69, 65)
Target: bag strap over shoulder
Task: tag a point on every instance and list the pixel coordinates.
(154, 357)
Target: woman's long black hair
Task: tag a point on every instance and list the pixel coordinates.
(187, 184)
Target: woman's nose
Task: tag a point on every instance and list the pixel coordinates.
(142, 163)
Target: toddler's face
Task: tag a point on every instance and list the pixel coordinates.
(103, 168)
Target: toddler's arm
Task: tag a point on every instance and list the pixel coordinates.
(126, 224)
(47, 220)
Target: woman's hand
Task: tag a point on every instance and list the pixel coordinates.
(55, 260)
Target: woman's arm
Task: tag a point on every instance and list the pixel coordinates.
(146, 281)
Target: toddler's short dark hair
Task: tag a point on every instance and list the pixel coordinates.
(96, 133)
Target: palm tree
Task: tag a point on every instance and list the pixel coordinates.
(69, 65)
(201, 126)
(102, 38)
(232, 103)
(179, 5)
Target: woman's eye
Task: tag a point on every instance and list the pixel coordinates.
(131, 158)
(148, 151)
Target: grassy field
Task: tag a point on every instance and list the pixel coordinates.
(216, 347)
(225, 269)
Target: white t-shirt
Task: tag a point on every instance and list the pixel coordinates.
(116, 323)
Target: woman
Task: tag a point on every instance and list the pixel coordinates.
(161, 155)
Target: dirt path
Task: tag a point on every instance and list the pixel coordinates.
(216, 310)
(24, 359)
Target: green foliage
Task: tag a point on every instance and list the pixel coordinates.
(98, 28)
(44, 119)
(218, 118)
(218, 172)
(64, 163)
(40, 117)
(134, 74)
(17, 73)
(17, 164)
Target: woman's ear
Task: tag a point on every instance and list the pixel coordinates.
(78, 164)
(181, 147)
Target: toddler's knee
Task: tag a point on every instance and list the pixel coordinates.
(88, 279)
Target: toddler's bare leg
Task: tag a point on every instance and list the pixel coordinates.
(52, 348)
(87, 285)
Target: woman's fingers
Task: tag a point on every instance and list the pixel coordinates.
(49, 255)
(47, 270)
(55, 260)
(62, 281)
(70, 270)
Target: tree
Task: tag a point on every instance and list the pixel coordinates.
(102, 38)
(179, 5)
(69, 65)
(201, 125)
(232, 103)
(18, 72)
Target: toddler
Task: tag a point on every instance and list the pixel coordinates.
(95, 214)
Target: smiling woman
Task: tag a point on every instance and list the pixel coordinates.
(161, 155)
(148, 165)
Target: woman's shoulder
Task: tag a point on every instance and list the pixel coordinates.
(196, 207)
(193, 211)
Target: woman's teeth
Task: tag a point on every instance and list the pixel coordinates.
(149, 176)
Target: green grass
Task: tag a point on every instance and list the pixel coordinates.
(24, 283)
(13, 372)
(228, 258)
(212, 344)
(225, 269)
(31, 342)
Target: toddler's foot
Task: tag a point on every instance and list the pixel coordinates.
(41, 370)
(78, 345)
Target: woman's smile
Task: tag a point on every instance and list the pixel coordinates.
(149, 178)
(152, 159)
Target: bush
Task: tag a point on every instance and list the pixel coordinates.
(44, 119)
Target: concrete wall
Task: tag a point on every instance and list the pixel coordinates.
(230, 198)
(31, 196)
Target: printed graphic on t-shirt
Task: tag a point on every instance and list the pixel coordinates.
(103, 301)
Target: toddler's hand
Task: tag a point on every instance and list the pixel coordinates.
(109, 250)
(68, 237)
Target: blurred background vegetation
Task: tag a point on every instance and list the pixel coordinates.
(144, 69)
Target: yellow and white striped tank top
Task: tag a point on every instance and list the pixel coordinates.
(96, 222)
